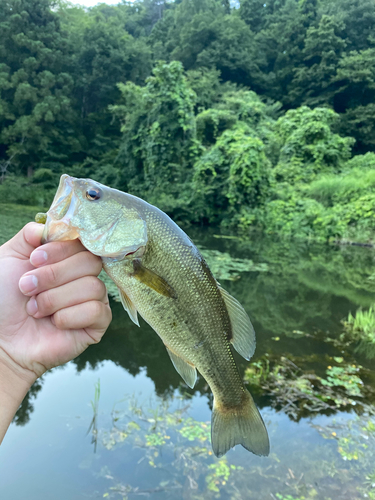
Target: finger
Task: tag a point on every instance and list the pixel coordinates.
(56, 251)
(26, 240)
(52, 276)
(76, 292)
(93, 315)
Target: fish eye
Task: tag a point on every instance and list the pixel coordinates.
(93, 194)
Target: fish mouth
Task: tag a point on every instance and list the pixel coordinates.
(58, 224)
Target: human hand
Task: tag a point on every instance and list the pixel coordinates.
(52, 305)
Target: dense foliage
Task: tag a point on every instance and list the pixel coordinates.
(244, 114)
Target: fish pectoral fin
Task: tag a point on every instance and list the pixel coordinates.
(243, 334)
(128, 306)
(185, 369)
(152, 280)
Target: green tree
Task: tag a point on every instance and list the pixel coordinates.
(323, 47)
(358, 17)
(37, 120)
(203, 34)
(282, 42)
(256, 13)
(106, 55)
(142, 16)
(355, 97)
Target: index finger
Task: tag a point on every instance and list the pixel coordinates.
(55, 251)
(25, 241)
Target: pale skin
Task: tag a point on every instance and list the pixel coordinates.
(52, 307)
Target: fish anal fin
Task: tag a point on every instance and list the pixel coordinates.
(128, 306)
(243, 334)
(153, 280)
(184, 368)
(241, 425)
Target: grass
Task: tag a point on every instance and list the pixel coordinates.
(333, 187)
(363, 323)
(361, 328)
(94, 422)
(13, 218)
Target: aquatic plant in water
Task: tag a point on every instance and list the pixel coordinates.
(158, 430)
(226, 267)
(298, 391)
(355, 439)
(344, 376)
(161, 437)
(361, 328)
(94, 422)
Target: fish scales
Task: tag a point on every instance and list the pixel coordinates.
(185, 322)
(162, 276)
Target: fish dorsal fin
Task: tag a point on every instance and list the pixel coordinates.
(152, 280)
(243, 334)
(128, 306)
(185, 369)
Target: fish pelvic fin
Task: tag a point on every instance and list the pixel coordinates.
(128, 306)
(243, 334)
(151, 279)
(187, 371)
(240, 425)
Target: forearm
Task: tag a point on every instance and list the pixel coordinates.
(13, 389)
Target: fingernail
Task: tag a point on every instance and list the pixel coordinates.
(28, 284)
(32, 307)
(38, 257)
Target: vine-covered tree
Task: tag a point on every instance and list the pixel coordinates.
(159, 143)
(252, 108)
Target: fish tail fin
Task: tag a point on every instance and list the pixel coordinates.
(240, 425)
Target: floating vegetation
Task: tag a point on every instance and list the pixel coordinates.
(158, 432)
(297, 334)
(220, 472)
(172, 457)
(192, 431)
(355, 441)
(226, 267)
(344, 376)
(172, 450)
(361, 329)
(301, 392)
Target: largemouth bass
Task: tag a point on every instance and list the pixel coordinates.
(162, 277)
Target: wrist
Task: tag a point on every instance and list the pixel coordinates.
(14, 379)
(14, 384)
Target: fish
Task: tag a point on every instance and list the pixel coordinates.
(162, 277)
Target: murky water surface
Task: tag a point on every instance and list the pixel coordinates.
(118, 422)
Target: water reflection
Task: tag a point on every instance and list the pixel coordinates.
(294, 287)
(296, 294)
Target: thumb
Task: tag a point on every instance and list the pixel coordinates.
(26, 240)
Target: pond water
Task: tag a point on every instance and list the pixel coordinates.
(118, 422)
